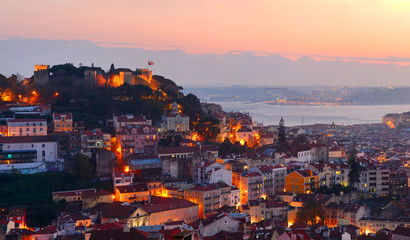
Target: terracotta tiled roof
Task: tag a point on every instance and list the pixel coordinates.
(100, 193)
(51, 229)
(402, 231)
(119, 211)
(133, 188)
(205, 188)
(137, 129)
(26, 120)
(118, 234)
(133, 118)
(159, 204)
(79, 192)
(58, 116)
(213, 218)
(176, 150)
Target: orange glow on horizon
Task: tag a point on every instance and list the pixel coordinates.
(337, 31)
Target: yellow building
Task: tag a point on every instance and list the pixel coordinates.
(73, 195)
(302, 181)
(93, 199)
(63, 122)
(161, 210)
(132, 193)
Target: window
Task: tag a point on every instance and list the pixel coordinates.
(43, 145)
(43, 153)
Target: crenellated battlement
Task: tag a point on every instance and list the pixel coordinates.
(41, 67)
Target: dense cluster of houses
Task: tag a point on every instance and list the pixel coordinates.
(192, 191)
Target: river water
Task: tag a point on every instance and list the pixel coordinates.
(296, 115)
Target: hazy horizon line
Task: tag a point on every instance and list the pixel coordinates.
(292, 56)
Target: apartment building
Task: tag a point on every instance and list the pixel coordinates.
(27, 127)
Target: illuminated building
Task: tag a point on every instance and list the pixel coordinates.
(90, 200)
(373, 225)
(115, 77)
(262, 209)
(331, 174)
(336, 152)
(391, 120)
(41, 74)
(353, 213)
(122, 179)
(374, 180)
(41, 110)
(209, 197)
(92, 140)
(213, 172)
(62, 122)
(156, 188)
(273, 178)
(27, 154)
(398, 183)
(72, 195)
(220, 222)
(302, 181)
(251, 186)
(18, 216)
(27, 127)
(3, 130)
(175, 120)
(161, 210)
(132, 193)
(129, 120)
(137, 139)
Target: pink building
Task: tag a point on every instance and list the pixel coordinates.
(27, 127)
(137, 139)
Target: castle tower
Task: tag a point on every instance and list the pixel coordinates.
(41, 74)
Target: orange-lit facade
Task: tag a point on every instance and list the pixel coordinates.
(63, 122)
(303, 181)
(41, 67)
(132, 193)
(391, 120)
(27, 127)
(250, 185)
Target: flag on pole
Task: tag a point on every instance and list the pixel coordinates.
(150, 62)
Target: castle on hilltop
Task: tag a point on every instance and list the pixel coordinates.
(91, 77)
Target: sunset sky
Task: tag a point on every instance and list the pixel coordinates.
(364, 29)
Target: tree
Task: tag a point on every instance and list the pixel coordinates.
(281, 131)
(81, 169)
(300, 139)
(208, 128)
(5, 85)
(353, 168)
(312, 213)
